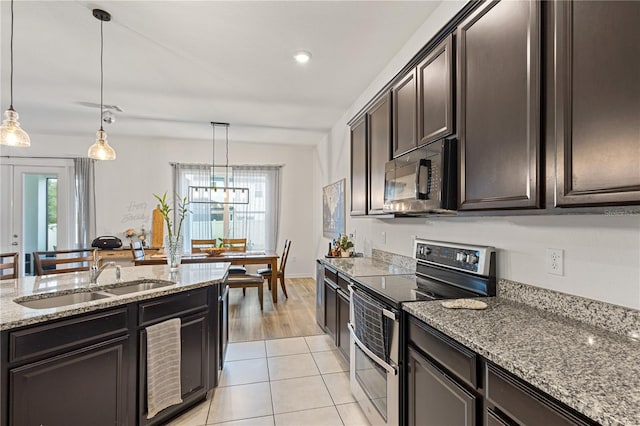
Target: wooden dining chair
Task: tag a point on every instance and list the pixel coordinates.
(137, 250)
(62, 261)
(266, 272)
(196, 245)
(235, 244)
(8, 266)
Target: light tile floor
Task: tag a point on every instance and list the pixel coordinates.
(292, 381)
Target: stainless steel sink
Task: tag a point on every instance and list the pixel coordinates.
(61, 300)
(135, 287)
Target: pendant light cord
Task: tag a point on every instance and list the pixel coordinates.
(11, 73)
(101, 71)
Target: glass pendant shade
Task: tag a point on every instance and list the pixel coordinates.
(101, 150)
(11, 133)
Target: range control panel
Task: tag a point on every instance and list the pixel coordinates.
(475, 259)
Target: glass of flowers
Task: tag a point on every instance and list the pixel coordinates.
(173, 239)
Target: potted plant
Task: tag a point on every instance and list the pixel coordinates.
(173, 240)
(345, 245)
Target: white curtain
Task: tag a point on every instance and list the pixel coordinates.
(257, 221)
(85, 201)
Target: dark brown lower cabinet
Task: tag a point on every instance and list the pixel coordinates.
(87, 386)
(434, 398)
(344, 338)
(330, 308)
(90, 369)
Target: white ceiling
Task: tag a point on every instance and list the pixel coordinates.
(174, 66)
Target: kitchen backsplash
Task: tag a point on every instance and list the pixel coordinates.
(394, 259)
(614, 318)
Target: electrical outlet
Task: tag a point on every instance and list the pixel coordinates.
(383, 237)
(555, 261)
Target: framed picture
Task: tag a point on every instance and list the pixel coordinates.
(333, 209)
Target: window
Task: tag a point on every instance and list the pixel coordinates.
(256, 221)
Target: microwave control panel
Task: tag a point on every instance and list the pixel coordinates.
(475, 259)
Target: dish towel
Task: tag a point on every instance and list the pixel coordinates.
(163, 366)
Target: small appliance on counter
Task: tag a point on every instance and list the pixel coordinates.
(443, 271)
(107, 242)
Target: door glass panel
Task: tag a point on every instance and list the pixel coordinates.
(39, 215)
(373, 379)
(52, 213)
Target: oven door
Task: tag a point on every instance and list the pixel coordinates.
(374, 371)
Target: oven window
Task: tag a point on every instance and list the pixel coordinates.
(372, 378)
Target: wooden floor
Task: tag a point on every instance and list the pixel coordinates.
(290, 317)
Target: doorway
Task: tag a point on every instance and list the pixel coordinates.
(34, 214)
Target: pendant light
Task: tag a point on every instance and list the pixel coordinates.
(10, 132)
(215, 194)
(101, 150)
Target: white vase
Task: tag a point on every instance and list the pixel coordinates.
(345, 253)
(173, 248)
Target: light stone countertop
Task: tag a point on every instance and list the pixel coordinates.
(594, 371)
(365, 266)
(188, 276)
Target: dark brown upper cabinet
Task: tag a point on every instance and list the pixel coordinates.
(435, 93)
(597, 102)
(404, 101)
(498, 112)
(359, 167)
(379, 132)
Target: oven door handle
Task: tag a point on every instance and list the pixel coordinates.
(386, 312)
(391, 368)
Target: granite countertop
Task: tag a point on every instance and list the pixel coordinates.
(187, 277)
(588, 368)
(365, 266)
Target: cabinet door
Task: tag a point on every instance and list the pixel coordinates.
(597, 107)
(359, 167)
(84, 387)
(320, 293)
(404, 107)
(344, 337)
(330, 309)
(379, 126)
(435, 89)
(434, 398)
(193, 367)
(498, 70)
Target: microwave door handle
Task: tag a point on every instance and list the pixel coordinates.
(426, 164)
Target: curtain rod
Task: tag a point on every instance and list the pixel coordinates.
(40, 157)
(223, 165)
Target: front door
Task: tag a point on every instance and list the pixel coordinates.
(35, 208)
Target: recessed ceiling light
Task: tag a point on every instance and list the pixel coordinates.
(302, 56)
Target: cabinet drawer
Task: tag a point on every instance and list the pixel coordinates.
(343, 283)
(331, 275)
(57, 336)
(451, 354)
(172, 306)
(525, 404)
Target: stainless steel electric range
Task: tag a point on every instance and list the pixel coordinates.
(443, 271)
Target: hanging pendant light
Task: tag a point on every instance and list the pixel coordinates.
(10, 132)
(219, 194)
(101, 150)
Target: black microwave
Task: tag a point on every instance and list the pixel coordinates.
(423, 181)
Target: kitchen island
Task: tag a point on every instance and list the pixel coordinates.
(85, 363)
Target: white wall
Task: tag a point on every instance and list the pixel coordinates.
(125, 187)
(601, 253)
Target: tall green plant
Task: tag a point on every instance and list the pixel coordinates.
(165, 210)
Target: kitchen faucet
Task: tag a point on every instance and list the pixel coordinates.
(96, 270)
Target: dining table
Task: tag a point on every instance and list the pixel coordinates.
(269, 258)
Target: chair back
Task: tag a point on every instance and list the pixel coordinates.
(196, 245)
(285, 256)
(8, 266)
(62, 261)
(235, 244)
(137, 250)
